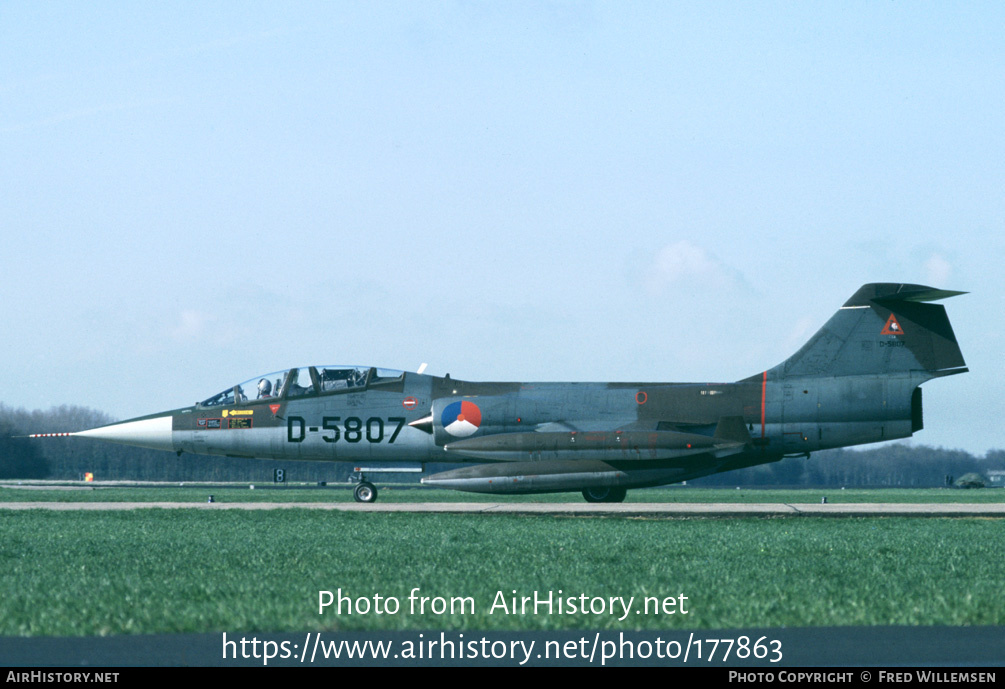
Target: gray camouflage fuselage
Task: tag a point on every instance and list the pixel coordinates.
(856, 381)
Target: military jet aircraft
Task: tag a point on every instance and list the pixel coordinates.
(855, 381)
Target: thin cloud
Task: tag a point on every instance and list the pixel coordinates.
(191, 326)
(686, 264)
(938, 270)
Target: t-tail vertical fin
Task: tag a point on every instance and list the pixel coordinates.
(885, 327)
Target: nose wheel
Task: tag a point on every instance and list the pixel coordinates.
(365, 492)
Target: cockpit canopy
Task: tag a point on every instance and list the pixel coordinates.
(304, 382)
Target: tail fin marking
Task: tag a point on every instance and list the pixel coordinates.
(883, 328)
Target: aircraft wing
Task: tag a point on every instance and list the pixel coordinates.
(730, 437)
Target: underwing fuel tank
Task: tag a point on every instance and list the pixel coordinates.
(575, 461)
(562, 475)
(626, 446)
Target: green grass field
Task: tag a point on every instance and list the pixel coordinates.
(154, 571)
(10, 492)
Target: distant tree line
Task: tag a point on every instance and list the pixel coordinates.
(900, 465)
(71, 458)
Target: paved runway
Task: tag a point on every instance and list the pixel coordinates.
(714, 509)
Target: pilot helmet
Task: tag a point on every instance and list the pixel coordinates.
(264, 387)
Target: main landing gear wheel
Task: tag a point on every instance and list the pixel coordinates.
(605, 494)
(365, 492)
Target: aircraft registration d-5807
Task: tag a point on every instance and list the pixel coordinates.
(855, 381)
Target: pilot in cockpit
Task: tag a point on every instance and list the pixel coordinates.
(264, 389)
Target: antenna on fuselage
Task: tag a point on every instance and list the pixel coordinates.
(422, 367)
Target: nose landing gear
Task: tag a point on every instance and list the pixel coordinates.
(365, 492)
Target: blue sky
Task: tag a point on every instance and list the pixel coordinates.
(193, 194)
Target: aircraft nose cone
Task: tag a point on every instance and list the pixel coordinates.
(154, 433)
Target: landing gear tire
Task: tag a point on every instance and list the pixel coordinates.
(605, 494)
(365, 492)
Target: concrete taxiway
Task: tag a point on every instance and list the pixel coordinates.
(715, 509)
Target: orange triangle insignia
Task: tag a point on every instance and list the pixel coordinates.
(892, 326)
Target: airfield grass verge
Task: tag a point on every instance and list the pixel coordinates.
(162, 571)
(10, 491)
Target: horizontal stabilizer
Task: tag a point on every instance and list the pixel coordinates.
(927, 294)
(898, 292)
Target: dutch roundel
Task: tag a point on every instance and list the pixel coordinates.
(461, 419)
